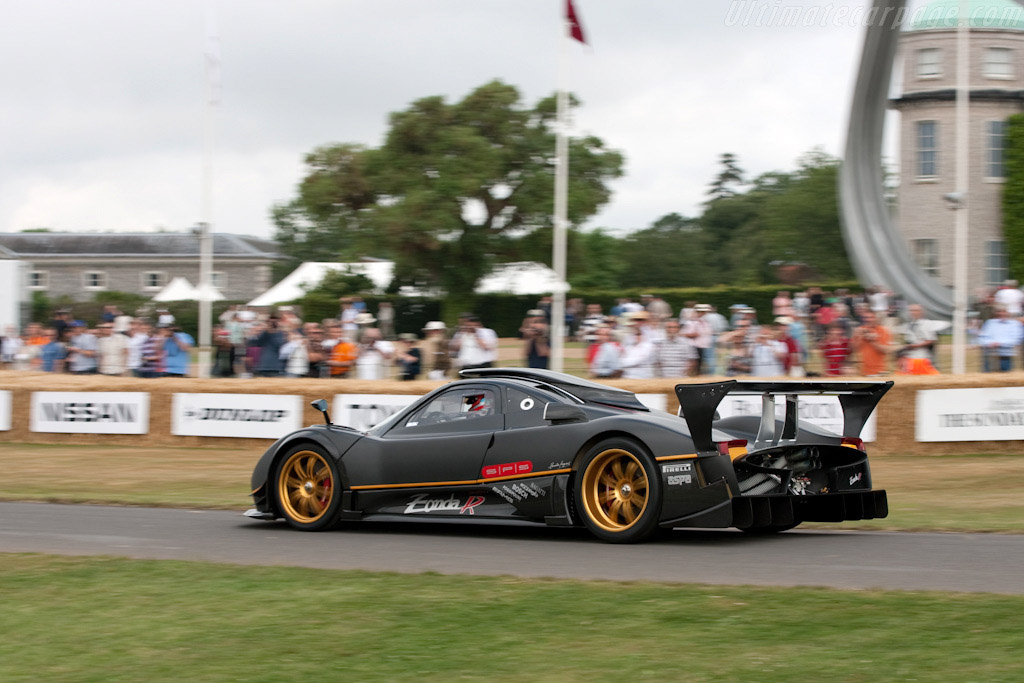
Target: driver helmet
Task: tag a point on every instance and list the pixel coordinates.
(476, 405)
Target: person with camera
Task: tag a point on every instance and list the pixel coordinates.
(536, 345)
(474, 345)
(917, 356)
(871, 342)
(177, 350)
(269, 342)
(374, 356)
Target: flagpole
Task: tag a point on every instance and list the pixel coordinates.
(211, 59)
(561, 207)
(962, 179)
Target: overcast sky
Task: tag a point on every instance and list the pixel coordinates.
(101, 120)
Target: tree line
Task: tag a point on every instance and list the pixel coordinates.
(458, 187)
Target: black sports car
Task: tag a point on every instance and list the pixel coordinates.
(539, 447)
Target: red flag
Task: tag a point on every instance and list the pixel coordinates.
(575, 27)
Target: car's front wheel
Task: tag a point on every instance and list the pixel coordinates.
(308, 488)
(617, 490)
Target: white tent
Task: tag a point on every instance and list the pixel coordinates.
(523, 277)
(310, 273)
(178, 289)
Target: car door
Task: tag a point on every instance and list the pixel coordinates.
(444, 441)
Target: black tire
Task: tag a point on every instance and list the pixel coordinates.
(617, 491)
(307, 487)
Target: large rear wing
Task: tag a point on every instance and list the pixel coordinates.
(698, 404)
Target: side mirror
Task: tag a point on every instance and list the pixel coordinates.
(321, 405)
(561, 413)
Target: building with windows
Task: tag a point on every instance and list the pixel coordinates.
(81, 265)
(927, 107)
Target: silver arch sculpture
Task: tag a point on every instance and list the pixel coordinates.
(873, 243)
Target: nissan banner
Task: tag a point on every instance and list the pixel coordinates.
(90, 412)
(5, 411)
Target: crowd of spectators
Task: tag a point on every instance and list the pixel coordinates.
(811, 333)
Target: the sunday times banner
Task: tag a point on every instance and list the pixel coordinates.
(363, 411)
(820, 411)
(5, 411)
(252, 416)
(90, 412)
(993, 414)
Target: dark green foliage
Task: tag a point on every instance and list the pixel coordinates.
(186, 313)
(339, 283)
(1013, 195)
(452, 190)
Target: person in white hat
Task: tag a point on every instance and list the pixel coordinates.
(434, 350)
(698, 331)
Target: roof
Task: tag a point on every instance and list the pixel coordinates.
(106, 244)
(521, 277)
(583, 389)
(994, 14)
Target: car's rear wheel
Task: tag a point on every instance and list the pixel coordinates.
(618, 491)
(308, 488)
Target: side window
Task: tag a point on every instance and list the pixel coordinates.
(523, 410)
(468, 407)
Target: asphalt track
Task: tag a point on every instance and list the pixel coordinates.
(838, 559)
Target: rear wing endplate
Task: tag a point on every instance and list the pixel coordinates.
(698, 404)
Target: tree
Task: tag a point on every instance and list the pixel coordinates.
(801, 223)
(452, 187)
(328, 220)
(728, 180)
(1013, 195)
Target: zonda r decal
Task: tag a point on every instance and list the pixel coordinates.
(422, 502)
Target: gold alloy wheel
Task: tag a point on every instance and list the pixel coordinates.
(305, 486)
(615, 490)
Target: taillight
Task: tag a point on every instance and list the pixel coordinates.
(733, 449)
(851, 442)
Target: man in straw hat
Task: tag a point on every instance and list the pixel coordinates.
(434, 350)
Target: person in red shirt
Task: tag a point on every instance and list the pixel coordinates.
(835, 349)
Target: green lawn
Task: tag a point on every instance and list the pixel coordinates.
(99, 619)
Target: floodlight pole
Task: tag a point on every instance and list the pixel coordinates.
(212, 63)
(557, 338)
(962, 175)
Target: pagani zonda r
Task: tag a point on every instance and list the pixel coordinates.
(539, 447)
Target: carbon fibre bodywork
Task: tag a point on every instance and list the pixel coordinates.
(518, 461)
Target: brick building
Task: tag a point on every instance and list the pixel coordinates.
(80, 265)
(927, 107)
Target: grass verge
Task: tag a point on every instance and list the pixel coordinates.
(84, 619)
(934, 493)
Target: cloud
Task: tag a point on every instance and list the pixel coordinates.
(101, 124)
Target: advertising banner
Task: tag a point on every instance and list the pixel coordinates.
(5, 411)
(363, 411)
(994, 414)
(251, 416)
(90, 412)
(820, 411)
